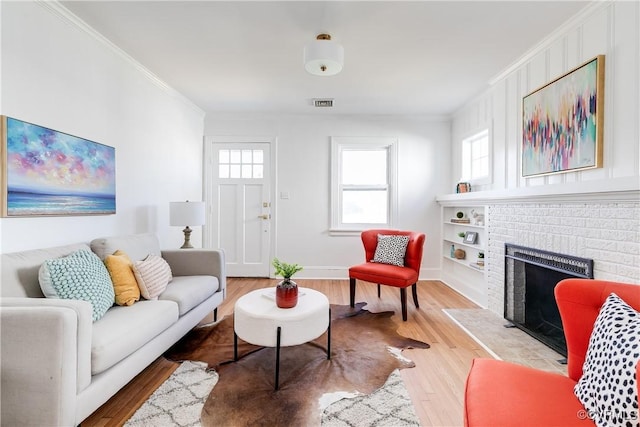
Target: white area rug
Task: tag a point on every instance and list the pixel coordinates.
(179, 401)
(390, 405)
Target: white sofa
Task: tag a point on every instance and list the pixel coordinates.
(57, 366)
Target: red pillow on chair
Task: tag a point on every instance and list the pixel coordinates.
(391, 249)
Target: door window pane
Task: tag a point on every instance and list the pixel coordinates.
(245, 164)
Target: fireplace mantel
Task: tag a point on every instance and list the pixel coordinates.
(614, 190)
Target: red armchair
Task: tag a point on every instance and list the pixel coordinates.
(500, 393)
(386, 274)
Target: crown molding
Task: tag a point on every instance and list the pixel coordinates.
(551, 38)
(57, 9)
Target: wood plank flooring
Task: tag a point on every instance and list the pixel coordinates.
(436, 384)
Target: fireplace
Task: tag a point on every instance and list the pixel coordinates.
(530, 278)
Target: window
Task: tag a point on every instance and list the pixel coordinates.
(475, 158)
(240, 164)
(363, 183)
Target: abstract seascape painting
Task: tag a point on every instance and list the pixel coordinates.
(563, 122)
(46, 172)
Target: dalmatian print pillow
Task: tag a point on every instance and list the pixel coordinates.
(607, 388)
(391, 249)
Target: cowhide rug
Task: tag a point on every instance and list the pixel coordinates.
(361, 361)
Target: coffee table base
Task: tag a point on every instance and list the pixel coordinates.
(278, 335)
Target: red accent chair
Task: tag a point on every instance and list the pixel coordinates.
(500, 393)
(390, 275)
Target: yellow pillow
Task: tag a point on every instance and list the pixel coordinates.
(124, 281)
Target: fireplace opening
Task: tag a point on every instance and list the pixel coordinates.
(530, 279)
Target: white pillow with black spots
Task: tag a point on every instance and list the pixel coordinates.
(391, 249)
(607, 388)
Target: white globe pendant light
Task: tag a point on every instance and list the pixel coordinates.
(323, 57)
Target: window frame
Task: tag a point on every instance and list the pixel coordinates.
(471, 136)
(338, 146)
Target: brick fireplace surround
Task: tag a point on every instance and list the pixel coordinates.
(606, 231)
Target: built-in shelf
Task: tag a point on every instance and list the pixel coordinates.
(465, 275)
(468, 245)
(464, 225)
(465, 263)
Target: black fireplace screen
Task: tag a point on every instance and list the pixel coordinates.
(530, 278)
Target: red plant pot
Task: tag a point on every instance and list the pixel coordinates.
(287, 294)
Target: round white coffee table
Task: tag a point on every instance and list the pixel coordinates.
(258, 320)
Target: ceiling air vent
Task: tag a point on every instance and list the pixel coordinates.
(325, 102)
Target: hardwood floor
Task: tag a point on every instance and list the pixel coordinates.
(436, 384)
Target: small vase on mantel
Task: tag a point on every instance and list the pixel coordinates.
(287, 294)
(287, 290)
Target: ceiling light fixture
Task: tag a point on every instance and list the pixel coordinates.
(323, 57)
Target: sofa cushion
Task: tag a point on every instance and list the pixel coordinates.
(124, 281)
(607, 387)
(19, 272)
(189, 291)
(153, 274)
(505, 394)
(391, 249)
(137, 246)
(125, 329)
(80, 276)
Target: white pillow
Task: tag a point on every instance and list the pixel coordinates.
(153, 274)
(607, 388)
(391, 249)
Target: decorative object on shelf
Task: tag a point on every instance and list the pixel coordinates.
(470, 237)
(462, 234)
(480, 259)
(563, 122)
(50, 173)
(460, 218)
(453, 250)
(463, 187)
(459, 254)
(186, 214)
(323, 57)
(287, 289)
(478, 218)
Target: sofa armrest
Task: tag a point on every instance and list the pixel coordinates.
(39, 364)
(84, 330)
(198, 262)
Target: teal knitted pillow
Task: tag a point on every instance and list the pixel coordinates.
(80, 276)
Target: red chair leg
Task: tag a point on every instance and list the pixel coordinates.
(414, 291)
(403, 302)
(352, 292)
(378, 290)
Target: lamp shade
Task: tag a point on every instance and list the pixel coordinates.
(323, 57)
(186, 213)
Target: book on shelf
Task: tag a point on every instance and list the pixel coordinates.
(476, 266)
(461, 221)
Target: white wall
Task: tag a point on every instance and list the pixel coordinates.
(593, 213)
(61, 75)
(303, 170)
(608, 28)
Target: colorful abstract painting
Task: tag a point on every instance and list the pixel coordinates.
(563, 122)
(52, 173)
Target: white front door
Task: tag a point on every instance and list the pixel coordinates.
(239, 200)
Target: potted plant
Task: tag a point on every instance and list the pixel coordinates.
(461, 234)
(287, 289)
(480, 258)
